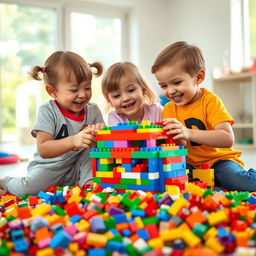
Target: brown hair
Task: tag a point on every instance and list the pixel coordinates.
(111, 79)
(68, 63)
(190, 55)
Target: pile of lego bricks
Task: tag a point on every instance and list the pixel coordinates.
(73, 221)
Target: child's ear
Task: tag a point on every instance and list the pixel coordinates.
(51, 91)
(200, 76)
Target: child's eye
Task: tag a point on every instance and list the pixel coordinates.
(115, 96)
(162, 86)
(131, 90)
(88, 89)
(74, 90)
(177, 82)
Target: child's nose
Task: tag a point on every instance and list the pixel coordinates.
(171, 90)
(125, 97)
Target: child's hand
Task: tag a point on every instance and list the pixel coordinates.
(96, 127)
(85, 138)
(176, 128)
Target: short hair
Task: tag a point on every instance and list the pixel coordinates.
(190, 55)
(115, 72)
(66, 63)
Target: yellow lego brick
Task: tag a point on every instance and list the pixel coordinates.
(97, 240)
(120, 169)
(151, 130)
(80, 253)
(106, 160)
(138, 181)
(192, 188)
(109, 235)
(214, 244)
(45, 252)
(8, 197)
(74, 198)
(11, 211)
(145, 122)
(156, 243)
(42, 209)
(172, 190)
(212, 232)
(105, 174)
(171, 234)
(177, 205)
(73, 247)
(104, 132)
(119, 161)
(206, 175)
(83, 225)
(217, 217)
(139, 222)
(190, 238)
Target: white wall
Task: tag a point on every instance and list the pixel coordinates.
(158, 23)
(205, 23)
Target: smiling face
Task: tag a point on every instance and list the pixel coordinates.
(177, 85)
(128, 98)
(70, 95)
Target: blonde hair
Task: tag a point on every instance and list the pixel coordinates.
(68, 63)
(190, 55)
(115, 72)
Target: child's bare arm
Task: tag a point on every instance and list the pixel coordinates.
(48, 147)
(221, 136)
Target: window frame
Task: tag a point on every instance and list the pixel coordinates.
(63, 10)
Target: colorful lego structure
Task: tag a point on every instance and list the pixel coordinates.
(138, 157)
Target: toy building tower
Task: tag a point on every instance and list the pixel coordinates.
(138, 157)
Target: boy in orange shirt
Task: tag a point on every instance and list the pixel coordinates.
(198, 118)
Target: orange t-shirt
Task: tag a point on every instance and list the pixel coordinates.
(203, 114)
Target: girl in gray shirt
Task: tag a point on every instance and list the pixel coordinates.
(65, 127)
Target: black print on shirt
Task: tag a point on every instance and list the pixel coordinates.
(63, 133)
(194, 122)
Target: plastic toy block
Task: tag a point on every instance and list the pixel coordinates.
(217, 217)
(60, 239)
(106, 161)
(205, 174)
(98, 240)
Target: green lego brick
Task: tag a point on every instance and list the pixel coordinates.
(145, 182)
(59, 210)
(150, 220)
(100, 144)
(120, 186)
(105, 167)
(96, 179)
(128, 181)
(110, 223)
(175, 152)
(100, 154)
(145, 154)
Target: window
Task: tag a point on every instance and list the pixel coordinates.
(243, 33)
(30, 32)
(27, 37)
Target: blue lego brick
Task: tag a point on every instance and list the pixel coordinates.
(126, 232)
(174, 174)
(60, 239)
(116, 246)
(138, 213)
(154, 186)
(75, 218)
(125, 126)
(97, 252)
(142, 233)
(21, 245)
(161, 177)
(44, 195)
(109, 144)
(119, 218)
(153, 164)
(128, 167)
(176, 166)
(97, 225)
(60, 197)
